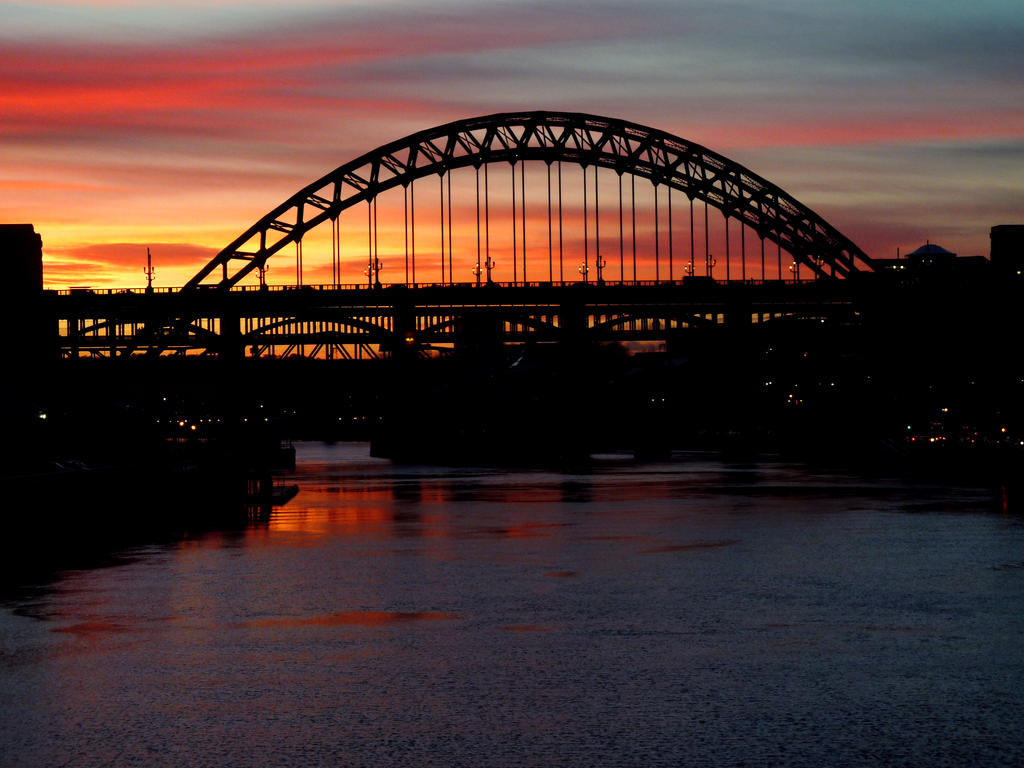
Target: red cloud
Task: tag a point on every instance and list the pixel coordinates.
(242, 85)
(112, 264)
(119, 255)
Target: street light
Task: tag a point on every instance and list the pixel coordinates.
(489, 264)
(372, 271)
(149, 272)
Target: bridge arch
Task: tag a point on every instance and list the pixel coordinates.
(587, 140)
(373, 332)
(682, 320)
(511, 316)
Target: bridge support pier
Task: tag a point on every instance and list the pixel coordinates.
(403, 328)
(572, 321)
(231, 346)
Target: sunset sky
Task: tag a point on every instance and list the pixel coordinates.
(129, 124)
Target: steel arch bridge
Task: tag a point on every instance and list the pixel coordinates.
(220, 311)
(549, 137)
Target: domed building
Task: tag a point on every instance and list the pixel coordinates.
(932, 256)
(932, 260)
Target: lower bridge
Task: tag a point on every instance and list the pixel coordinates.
(354, 322)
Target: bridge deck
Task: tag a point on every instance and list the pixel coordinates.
(210, 320)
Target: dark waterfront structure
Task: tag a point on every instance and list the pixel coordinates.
(21, 251)
(1008, 249)
(796, 340)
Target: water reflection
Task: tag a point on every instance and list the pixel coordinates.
(692, 612)
(353, 618)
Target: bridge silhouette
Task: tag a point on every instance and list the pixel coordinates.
(554, 283)
(547, 234)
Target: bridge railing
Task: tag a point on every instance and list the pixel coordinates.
(331, 287)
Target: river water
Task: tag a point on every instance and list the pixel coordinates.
(686, 613)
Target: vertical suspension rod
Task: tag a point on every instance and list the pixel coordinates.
(657, 237)
(622, 276)
(405, 225)
(522, 198)
(440, 183)
(727, 275)
(586, 228)
(479, 266)
(412, 222)
(690, 269)
(632, 210)
(334, 252)
(369, 242)
(487, 222)
(551, 267)
(597, 221)
(561, 243)
(515, 258)
(743, 251)
(670, 235)
(451, 276)
(707, 241)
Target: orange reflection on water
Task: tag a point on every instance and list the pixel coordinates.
(561, 574)
(357, 618)
(319, 523)
(348, 508)
(320, 511)
(92, 628)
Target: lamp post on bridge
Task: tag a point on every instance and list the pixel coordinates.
(584, 270)
(710, 262)
(149, 272)
(372, 272)
(600, 263)
(489, 264)
(262, 269)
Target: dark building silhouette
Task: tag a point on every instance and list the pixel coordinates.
(21, 289)
(1008, 248)
(932, 256)
(21, 254)
(932, 261)
(21, 312)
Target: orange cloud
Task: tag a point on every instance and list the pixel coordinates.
(112, 264)
(131, 254)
